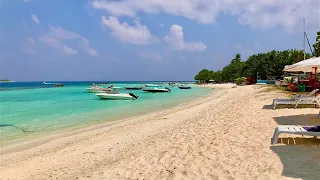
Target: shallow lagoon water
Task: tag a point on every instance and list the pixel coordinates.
(29, 109)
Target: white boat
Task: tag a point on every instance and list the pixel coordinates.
(96, 89)
(152, 85)
(157, 90)
(114, 87)
(117, 96)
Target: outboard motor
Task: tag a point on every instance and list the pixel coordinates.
(133, 95)
(168, 89)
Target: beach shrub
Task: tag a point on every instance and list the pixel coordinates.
(240, 80)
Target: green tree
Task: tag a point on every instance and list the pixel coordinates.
(233, 70)
(265, 64)
(204, 75)
(316, 46)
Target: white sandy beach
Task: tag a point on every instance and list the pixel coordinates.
(224, 136)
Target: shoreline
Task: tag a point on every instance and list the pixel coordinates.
(36, 140)
(94, 117)
(224, 136)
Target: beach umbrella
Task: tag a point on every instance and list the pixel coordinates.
(211, 80)
(308, 65)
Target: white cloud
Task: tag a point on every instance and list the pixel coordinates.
(69, 50)
(202, 11)
(57, 35)
(30, 47)
(175, 40)
(138, 34)
(255, 13)
(55, 43)
(35, 19)
(91, 51)
(150, 56)
(272, 13)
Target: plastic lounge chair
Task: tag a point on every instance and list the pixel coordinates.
(295, 97)
(296, 102)
(307, 130)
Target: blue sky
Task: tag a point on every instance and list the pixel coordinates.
(43, 40)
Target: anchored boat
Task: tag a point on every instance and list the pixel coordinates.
(152, 85)
(117, 96)
(157, 90)
(133, 88)
(97, 89)
(184, 87)
(59, 85)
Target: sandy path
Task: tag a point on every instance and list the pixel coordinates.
(220, 137)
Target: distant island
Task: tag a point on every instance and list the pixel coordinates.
(5, 80)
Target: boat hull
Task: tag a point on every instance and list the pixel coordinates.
(93, 90)
(152, 85)
(120, 96)
(133, 88)
(156, 90)
(99, 90)
(185, 87)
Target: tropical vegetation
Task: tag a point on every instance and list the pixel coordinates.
(263, 65)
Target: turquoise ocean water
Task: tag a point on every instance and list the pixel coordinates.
(33, 109)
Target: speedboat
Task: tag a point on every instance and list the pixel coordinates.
(96, 89)
(117, 96)
(184, 87)
(133, 88)
(157, 90)
(114, 87)
(152, 85)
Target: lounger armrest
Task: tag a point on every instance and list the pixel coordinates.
(306, 98)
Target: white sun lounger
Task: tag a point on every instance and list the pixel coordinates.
(292, 130)
(296, 102)
(295, 97)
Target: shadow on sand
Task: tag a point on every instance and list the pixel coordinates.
(299, 155)
(300, 161)
(268, 107)
(303, 120)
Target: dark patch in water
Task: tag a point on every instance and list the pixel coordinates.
(11, 125)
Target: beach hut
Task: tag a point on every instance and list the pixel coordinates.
(309, 65)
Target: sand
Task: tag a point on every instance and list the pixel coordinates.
(224, 136)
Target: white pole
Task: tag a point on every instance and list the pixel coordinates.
(304, 40)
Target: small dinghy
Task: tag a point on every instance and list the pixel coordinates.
(154, 90)
(117, 96)
(184, 87)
